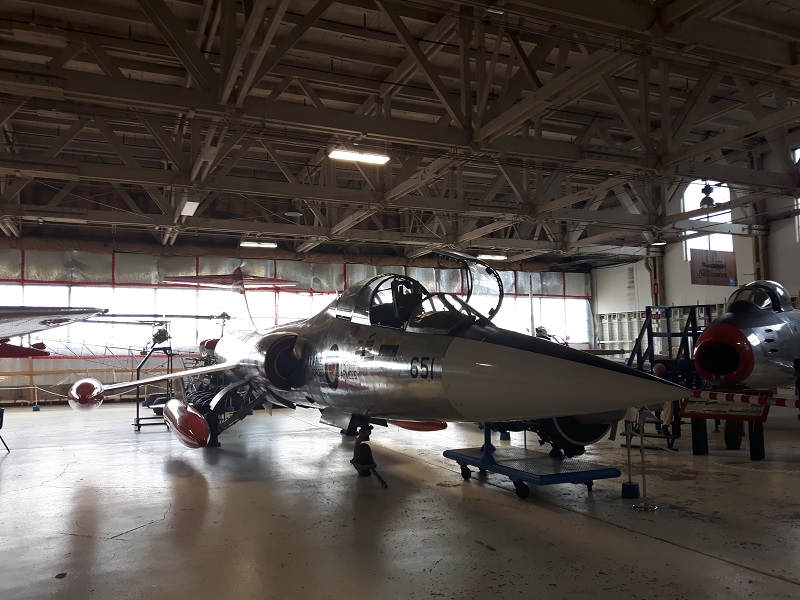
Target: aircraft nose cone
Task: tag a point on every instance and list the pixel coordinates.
(495, 382)
(723, 353)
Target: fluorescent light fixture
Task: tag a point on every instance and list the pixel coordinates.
(492, 257)
(375, 159)
(254, 244)
(189, 208)
(495, 11)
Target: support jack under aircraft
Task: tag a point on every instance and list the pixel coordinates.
(390, 351)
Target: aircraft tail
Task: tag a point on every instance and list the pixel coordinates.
(237, 286)
(238, 283)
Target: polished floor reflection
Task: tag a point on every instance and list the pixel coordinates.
(91, 509)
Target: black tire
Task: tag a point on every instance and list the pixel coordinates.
(466, 473)
(159, 411)
(522, 489)
(365, 472)
(733, 433)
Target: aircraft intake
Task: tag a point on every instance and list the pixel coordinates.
(85, 395)
(186, 422)
(723, 353)
(283, 362)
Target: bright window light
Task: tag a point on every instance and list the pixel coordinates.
(796, 158)
(715, 241)
(375, 159)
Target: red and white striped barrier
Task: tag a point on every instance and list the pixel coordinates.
(745, 398)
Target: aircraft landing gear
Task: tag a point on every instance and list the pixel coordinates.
(362, 459)
(733, 433)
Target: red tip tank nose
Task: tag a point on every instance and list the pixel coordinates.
(723, 353)
(85, 395)
(190, 427)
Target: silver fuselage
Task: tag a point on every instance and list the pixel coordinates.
(480, 373)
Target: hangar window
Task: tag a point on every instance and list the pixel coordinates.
(567, 318)
(797, 218)
(796, 159)
(692, 199)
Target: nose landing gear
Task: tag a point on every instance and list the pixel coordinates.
(362, 459)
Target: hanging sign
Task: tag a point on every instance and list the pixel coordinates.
(713, 267)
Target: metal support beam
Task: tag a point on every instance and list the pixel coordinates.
(578, 79)
(762, 125)
(425, 66)
(180, 42)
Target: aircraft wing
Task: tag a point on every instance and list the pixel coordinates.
(181, 417)
(123, 386)
(22, 320)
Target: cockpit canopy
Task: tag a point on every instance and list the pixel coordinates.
(398, 301)
(483, 286)
(387, 300)
(762, 293)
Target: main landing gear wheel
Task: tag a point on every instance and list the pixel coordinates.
(733, 433)
(522, 489)
(466, 473)
(589, 486)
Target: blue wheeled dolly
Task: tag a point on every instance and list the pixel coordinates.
(523, 466)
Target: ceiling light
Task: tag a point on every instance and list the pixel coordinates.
(375, 159)
(492, 257)
(295, 209)
(707, 201)
(189, 208)
(658, 241)
(254, 244)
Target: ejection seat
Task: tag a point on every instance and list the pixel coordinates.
(385, 315)
(404, 300)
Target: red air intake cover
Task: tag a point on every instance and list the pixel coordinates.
(723, 352)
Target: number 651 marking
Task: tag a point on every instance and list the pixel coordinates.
(421, 367)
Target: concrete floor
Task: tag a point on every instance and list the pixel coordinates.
(91, 509)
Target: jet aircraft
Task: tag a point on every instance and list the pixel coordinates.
(22, 320)
(389, 350)
(755, 344)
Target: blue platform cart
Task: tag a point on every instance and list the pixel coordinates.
(523, 466)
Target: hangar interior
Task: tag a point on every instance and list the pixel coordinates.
(586, 146)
